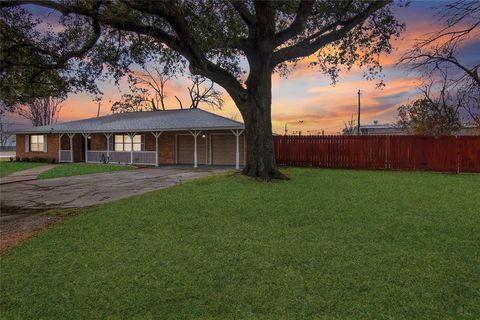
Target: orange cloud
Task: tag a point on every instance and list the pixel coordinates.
(326, 107)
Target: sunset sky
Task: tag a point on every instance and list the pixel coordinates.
(306, 94)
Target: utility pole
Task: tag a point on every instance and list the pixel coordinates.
(358, 115)
(286, 129)
(98, 110)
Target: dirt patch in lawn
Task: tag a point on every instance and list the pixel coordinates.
(18, 224)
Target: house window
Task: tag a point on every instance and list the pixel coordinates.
(37, 143)
(124, 143)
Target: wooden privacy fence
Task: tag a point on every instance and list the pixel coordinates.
(446, 153)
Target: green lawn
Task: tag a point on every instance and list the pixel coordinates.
(7, 167)
(328, 244)
(75, 169)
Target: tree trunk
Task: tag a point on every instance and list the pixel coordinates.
(260, 152)
(256, 112)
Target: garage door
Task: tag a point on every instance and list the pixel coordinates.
(185, 149)
(224, 148)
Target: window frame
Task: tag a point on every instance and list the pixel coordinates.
(36, 146)
(122, 143)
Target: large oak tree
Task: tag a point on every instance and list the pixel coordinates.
(236, 44)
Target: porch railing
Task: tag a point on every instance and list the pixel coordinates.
(95, 156)
(119, 156)
(144, 157)
(65, 156)
(125, 157)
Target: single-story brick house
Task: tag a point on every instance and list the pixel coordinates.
(189, 136)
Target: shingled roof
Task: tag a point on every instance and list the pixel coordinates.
(168, 120)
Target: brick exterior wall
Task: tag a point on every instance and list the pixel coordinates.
(150, 142)
(98, 142)
(52, 148)
(166, 148)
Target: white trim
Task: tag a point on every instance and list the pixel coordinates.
(60, 135)
(237, 134)
(195, 134)
(131, 135)
(156, 134)
(206, 148)
(70, 136)
(108, 135)
(86, 135)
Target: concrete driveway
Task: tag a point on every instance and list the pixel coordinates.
(92, 189)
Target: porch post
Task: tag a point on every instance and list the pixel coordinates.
(60, 146)
(156, 135)
(237, 134)
(86, 135)
(71, 135)
(108, 135)
(195, 134)
(131, 135)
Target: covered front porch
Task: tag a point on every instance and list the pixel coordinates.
(151, 148)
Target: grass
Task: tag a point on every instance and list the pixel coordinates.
(75, 169)
(7, 167)
(329, 244)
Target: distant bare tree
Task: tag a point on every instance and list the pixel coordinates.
(349, 126)
(436, 55)
(153, 82)
(42, 111)
(470, 101)
(433, 114)
(147, 91)
(202, 90)
(5, 131)
(131, 103)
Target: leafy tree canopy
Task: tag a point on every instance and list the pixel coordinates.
(95, 40)
(236, 44)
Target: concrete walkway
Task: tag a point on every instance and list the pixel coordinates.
(92, 189)
(25, 175)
